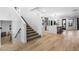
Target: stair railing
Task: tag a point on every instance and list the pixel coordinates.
(21, 20)
(24, 19)
(17, 32)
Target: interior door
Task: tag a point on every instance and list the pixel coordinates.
(77, 23)
(64, 24)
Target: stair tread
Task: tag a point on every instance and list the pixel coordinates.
(28, 27)
(33, 37)
(30, 31)
(32, 34)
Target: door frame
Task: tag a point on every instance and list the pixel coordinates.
(77, 24)
(46, 23)
(65, 24)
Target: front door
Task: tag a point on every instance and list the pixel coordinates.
(77, 23)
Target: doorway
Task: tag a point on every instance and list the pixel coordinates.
(45, 23)
(77, 23)
(5, 32)
(64, 24)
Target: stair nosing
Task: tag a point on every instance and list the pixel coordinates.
(32, 34)
(30, 38)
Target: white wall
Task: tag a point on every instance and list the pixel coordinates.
(53, 28)
(5, 26)
(59, 20)
(6, 13)
(74, 23)
(18, 23)
(33, 19)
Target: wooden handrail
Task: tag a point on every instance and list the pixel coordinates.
(17, 32)
(23, 19)
(15, 8)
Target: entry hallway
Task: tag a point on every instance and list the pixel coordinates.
(68, 41)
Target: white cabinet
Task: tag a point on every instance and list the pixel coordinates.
(52, 29)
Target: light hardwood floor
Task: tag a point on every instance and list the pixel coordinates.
(68, 41)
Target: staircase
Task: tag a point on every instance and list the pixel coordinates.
(31, 34)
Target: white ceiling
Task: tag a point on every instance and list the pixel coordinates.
(59, 11)
(6, 13)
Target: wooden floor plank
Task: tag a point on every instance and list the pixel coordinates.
(68, 41)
